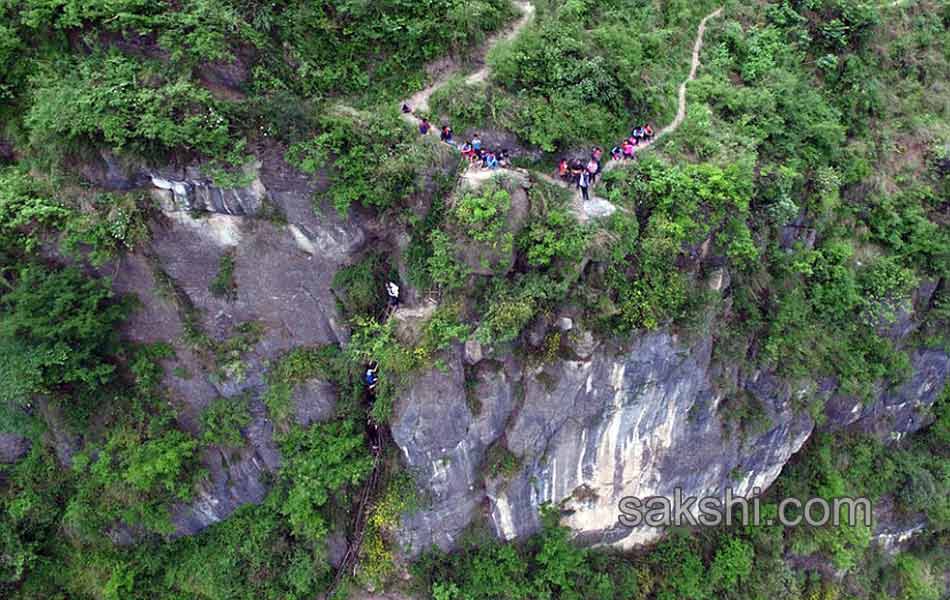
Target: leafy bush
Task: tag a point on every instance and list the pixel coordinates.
(67, 326)
(376, 160)
(133, 479)
(223, 419)
(361, 286)
(555, 236)
(224, 285)
(25, 211)
(113, 99)
(115, 224)
(319, 463)
(512, 306)
(483, 215)
(296, 367)
(445, 269)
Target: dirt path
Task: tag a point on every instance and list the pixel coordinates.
(420, 100)
(681, 103)
(595, 207)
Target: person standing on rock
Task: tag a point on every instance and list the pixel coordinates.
(583, 183)
(477, 143)
(392, 291)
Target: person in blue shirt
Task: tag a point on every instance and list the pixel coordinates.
(370, 378)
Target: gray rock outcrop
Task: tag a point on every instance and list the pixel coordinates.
(190, 190)
(641, 421)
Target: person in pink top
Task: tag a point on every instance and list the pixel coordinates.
(593, 168)
(628, 149)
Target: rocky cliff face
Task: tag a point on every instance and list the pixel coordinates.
(284, 263)
(642, 420)
(580, 432)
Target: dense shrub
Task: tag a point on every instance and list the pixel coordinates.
(374, 160)
(112, 99)
(319, 464)
(65, 324)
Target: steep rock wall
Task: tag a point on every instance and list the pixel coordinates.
(636, 421)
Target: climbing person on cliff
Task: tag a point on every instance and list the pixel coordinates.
(392, 291)
(370, 378)
(616, 153)
(424, 126)
(583, 183)
(648, 132)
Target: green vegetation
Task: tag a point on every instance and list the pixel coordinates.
(224, 285)
(810, 178)
(361, 292)
(376, 159)
(296, 367)
(137, 84)
(59, 329)
(223, 420)
(500, 462)
(318, 462)
(579, 72)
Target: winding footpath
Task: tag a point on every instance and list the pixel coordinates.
(595, 207)
(681, 106)
(420, 100)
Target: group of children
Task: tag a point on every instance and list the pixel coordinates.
(485, 159)
(472, 150)
(584, 175)
(580, 174)
(627, 149)
(575, 171)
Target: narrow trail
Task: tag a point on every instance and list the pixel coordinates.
(681, 102)
(596, 207)
(420, 100)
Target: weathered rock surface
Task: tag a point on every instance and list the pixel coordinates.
(899, 411)
(638, 421)
(189, 190)
(283, 283)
